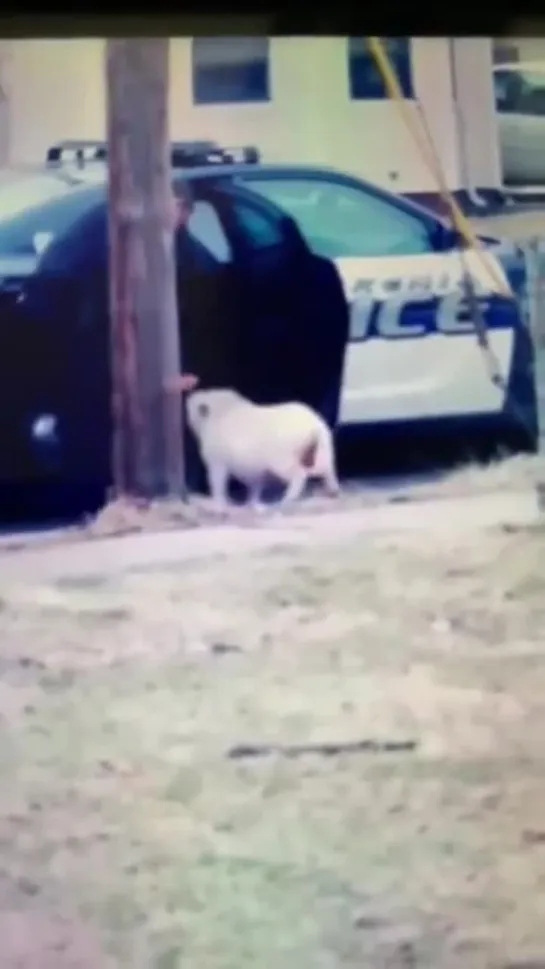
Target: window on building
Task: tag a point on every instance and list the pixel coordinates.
(365, 81)
(230, 70)
(504, 52)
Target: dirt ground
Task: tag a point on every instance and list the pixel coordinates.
(279, 760)
(282, 759)
(511, 474)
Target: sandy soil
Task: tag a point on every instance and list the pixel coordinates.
(280, 759)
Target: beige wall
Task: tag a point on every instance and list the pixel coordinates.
(528, 48)
(311, 117)
(56, 90)
(474, 94)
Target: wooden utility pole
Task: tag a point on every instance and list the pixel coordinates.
(145, 351)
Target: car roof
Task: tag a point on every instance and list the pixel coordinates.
(336, 175)
(231, 172)
(207, 160)
(228, 172)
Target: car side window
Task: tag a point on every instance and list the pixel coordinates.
(507, 89)
(532, 100)
(341, 220)
(205, 226)
(520, 92)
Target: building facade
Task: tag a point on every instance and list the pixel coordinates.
(303, 99)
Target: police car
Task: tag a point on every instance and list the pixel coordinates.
(413, 355)
(413, 358)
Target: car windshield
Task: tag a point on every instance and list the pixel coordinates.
(26, 192)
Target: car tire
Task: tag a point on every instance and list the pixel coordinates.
(519, 439)
(520, 433)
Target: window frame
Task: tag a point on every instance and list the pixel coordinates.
(399, 50)
(225, 195)
(202, 99)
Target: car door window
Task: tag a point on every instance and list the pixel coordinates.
(520, 92)
(263, 235)
(507, 91)
(253, 225)
(205, 226)
(532, 97)
(341, 220)
(260, 232)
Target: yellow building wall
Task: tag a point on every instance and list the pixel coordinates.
(527, 48)
(56, 90)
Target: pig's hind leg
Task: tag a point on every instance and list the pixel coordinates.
(295, 488)
(255, 495)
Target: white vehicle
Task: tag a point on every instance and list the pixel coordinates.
(520, 105)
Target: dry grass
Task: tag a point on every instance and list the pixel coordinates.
(120, 518)
(513, 473)
(509, 474)
(129, 837)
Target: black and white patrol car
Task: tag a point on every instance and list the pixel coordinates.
(413, 356)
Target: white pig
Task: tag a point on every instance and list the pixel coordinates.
(251, 442)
